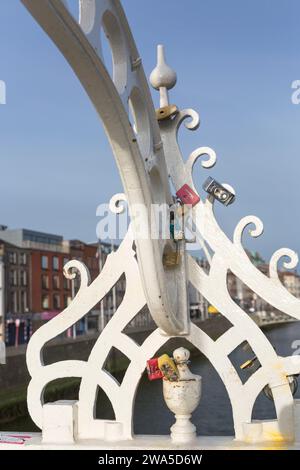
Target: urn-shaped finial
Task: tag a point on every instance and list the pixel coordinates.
(182, 397)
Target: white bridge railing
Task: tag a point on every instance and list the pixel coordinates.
(147, 153)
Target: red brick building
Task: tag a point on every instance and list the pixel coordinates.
(50, 289)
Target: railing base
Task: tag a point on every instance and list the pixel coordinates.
(33, 441)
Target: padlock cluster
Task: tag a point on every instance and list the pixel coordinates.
(221, 193)
(162, 367)
(187, 197)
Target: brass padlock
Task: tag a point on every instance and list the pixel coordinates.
(171, 258)
(166, 112)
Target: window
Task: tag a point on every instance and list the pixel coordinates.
(12, 257)
(55, 283)
(45, 301)
(44, 262)
(66, 260)
(55, 263)
(67, 283)
(23, 276)
(67, 300)
(56, 302)
(14, 302)
(23, 258)
(13, 278)
(24, 301)
(45, 281)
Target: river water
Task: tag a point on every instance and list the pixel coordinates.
(213, 416)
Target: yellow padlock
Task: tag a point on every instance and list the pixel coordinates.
(167, 366)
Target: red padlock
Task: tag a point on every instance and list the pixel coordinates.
(187, 195)
(153, 370)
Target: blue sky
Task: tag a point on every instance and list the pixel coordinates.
(235, 63)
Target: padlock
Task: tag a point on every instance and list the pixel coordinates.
(218, 191)
(178, 232)
(171, 258)
(166, 112)
(177, 212)
(153, 370)
(187, 195)
(172, 224)
(168, 368)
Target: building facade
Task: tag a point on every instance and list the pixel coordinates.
(33, 288)
(15, 291)
(291, 280)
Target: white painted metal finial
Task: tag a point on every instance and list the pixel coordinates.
(163, 78)
(181, 355)
(182, 398)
